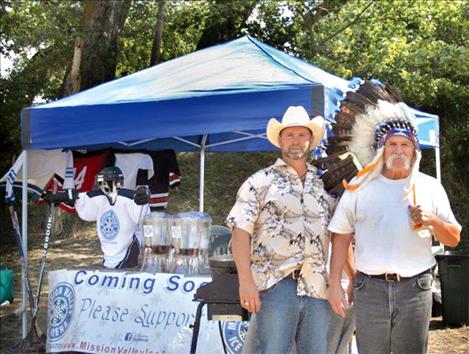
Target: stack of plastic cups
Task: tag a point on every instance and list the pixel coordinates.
(204, 223)
(185, 238)
(157, 257)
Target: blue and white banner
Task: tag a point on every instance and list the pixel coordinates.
(99, 311)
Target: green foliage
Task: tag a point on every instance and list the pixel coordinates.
(183, 25)
(38, 37)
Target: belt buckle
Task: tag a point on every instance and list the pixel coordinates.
(392, 277)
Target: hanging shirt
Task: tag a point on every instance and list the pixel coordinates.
(43, 164)
(167, 176)
(86, 166)
(84, 170)
(130, 164)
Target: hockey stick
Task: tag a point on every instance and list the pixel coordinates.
(48, 235)
(33, 329)
(19, 242)
(27, 341)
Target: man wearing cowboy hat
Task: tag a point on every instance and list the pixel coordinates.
(280, 244)
(392, 210)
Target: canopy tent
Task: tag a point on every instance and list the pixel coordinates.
(225, 92)
(218, 99)
(219, 95)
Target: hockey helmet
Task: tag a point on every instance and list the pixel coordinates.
(110, 179)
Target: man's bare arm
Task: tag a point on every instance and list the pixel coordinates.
(241, 249)
(340, 253)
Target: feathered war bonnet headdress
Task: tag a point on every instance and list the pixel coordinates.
(369, 134)
(367, 117)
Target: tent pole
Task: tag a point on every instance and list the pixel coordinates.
(438, 177)
(438, 164)
(202, 173)
(24, 227)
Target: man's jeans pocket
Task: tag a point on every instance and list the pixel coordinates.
(359, 281)
(425, 281)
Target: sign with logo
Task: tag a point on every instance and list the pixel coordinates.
(104, 311)
(109, 225)
(234, 334)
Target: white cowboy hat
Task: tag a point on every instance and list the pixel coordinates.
(296, 116)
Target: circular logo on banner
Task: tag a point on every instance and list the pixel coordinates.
(61, 304)
(234, 334)
(109, 225)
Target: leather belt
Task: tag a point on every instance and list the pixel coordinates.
(393, 277)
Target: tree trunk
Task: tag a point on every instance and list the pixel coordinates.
(72, 80)
(96, 49)
(156, 49)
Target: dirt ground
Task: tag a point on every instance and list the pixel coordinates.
(82, 250)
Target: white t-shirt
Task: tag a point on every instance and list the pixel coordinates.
(384, 239)
(116, 224)
(130, 164)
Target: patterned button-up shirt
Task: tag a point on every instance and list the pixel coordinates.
(288, 226)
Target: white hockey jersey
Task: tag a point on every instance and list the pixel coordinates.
(116, 224)
(130, 164)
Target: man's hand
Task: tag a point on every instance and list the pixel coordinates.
(447, 233)
(421, 216)
(142, 195)
(249, 296)
(336, 298)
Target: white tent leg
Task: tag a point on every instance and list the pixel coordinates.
(438, 163)
(24, 233)
(202, 173)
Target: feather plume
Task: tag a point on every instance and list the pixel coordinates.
(354, 133)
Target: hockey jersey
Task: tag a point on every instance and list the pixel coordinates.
(85, 168)
(167, 176)
(116, 224)
(42, 166)
(130, 163)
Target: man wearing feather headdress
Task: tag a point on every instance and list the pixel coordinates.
(280, 241)
(392, 210)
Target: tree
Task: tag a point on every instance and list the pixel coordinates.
(96, 48)
(226, 21)
(156, 48)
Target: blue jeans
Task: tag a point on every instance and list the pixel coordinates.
(286, 318)
(392, 316)
(341, 332)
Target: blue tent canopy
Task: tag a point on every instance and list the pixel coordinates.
(227, 92)
(219, 99)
